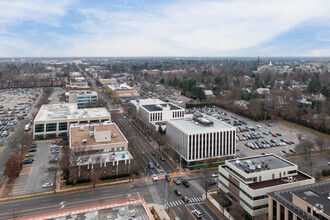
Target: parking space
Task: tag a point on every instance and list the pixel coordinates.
(255, 138)
(40, 170)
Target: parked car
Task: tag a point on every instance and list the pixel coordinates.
(215, 174)
(292, 150)
(168, 178)
(28, 161)
(154, 177)
(153, 153)
(185, 183)
(212, 182)
(197, 213)
(177, 192)
(52, 167)
(32, 150)
(54, 151)
(53, 159)
(47, 185)
(29, 154)
(157, 164)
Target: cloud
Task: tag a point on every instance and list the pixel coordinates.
(320, 52)
(170, 28)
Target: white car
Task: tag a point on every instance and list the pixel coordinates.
(46, 185)
(215, 174)
(154, 177)
(197, 213)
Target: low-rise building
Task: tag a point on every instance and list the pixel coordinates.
(201, 137)
(83, 98)
(139, 102)
(306, 202)
(54, 120)
(102, 147)
(78, 81)
(248, 180)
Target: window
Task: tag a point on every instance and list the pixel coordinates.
(83, 122)
(292, 171)
(274, 210)
(290, 216)
(282, 212)
(308, 209)
(39, 128)
(38, 136)
(62, 126)
(52, 135)
(51, 127)
(93, 121)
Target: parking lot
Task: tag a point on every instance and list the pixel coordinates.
(35, 174)
(254, 138)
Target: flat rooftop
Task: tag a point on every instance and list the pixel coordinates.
(68, 111)
(77, 134)
(83, 92)
(158, 107)
(314, 194)
(260, 163)
(190, 126)
(105, 157)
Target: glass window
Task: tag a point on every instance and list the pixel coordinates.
(38, 136)
(93, 121)
(63, 126)
(274, 210)
(83, 122)
(51, 127)
(290, 216)
(52, 135)
(39, 128)
(282, 213)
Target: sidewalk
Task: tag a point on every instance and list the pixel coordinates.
(3, 186)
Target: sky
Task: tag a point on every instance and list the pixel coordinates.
(133, 28)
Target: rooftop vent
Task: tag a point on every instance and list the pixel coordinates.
(81, 128)
(84, 141)
(203, 121)
(113, 135)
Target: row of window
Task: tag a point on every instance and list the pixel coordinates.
(158, 116)
(179, 114)
(211, 145)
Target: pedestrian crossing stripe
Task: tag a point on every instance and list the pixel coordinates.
(180, 202)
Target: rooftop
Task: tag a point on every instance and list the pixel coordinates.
(314, 194)
(189, 125)
(159, 107)
(68, 111)
(260, 163)
(106, 133)
(83, 92)
(105, 157)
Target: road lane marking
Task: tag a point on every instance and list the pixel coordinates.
(52, 206)
(191, 212)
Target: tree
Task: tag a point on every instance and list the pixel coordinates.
(95, 171)
(12, 167)
(306, 148)
(204, 180)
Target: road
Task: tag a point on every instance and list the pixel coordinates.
(141, 147)
(152, 191)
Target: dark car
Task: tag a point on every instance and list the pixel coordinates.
(157, 164)
(185, 183)
(151, 166)
(153, 153)
(212, 182)
(32, 150)
(52, 167)
(278, 134)
(185, 199)
(28, 161)
(177, 192)
(168, 178)
(162, 159)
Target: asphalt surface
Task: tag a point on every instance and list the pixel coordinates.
(152, 191)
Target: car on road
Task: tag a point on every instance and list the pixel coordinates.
(177, 181)
(162, 159)
(212, 182)
(177, 192)
(150, 165)
(197, 213)
(153, 153)
(292, 150)
(32, 150)
(28, 161)
(47, 185)
(157, 164)
(185, 183)
(185, 199)
(154, 177)
(215, 174)
(29, 154)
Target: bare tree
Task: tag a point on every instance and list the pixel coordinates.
(320, 142)
(12, 167)
(237, 211)
(306, 148)
(95, 171)
(205, 180)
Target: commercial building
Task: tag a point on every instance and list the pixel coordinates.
(101, 147)
(139, 102)
(54, 120)
(306, 202)
(201, 137)
(83, 98)
(78, 81)
(248, 180)
(153, 113)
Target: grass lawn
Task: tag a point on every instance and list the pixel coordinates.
(215, 210)
(304, 129)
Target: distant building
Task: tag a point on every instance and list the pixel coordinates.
(139, 102)
(54, 120)
(201, 138)
(78, 81)
(263, 91)
(249, 179)
(305, 202)
(83, 98)
(208, 93)
(102, 147)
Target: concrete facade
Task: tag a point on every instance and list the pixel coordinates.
(83, 98)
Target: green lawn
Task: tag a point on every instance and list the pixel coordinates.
(304, 129)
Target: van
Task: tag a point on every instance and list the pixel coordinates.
(27, 127)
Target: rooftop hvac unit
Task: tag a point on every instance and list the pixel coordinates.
(84, 141)
(238, 162)
(113, 135)
(82, 128)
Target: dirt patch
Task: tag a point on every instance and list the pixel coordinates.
(8, 188)
(26, 171)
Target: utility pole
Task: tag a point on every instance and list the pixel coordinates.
(166, 204)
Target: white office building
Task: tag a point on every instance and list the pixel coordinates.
(83, 98)
(248, 180)
(139, 102)
(54, 120)
(201, 137)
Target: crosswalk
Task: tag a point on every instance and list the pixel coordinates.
(180, 202)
